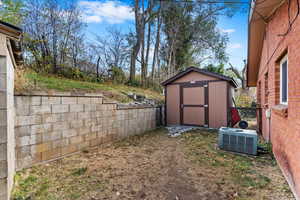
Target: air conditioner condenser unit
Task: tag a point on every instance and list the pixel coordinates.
(238, 140)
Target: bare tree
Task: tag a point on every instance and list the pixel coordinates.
(52, 28)
(112, 50)
(240, 75)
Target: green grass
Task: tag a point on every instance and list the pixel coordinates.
(238, 170)
(116, 92)
(79, 171)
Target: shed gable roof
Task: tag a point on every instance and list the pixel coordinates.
(13, 34)
(202, 71)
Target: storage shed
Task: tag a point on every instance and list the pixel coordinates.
(198, 97)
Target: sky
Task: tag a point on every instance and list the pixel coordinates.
(101, 14)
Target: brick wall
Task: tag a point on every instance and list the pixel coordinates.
(282, 129)
(49, 127)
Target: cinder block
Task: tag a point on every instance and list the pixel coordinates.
(28, 161)
(76, 124)
(3, 169)
(3, 117)
(43, 109)
(90, 136)
(3, 189)
(23, 141)
(69, 149)
(83, 130)
(97, 114)
(60, 108)
(51, 136)
(96, 128)
(3, 100)
(97, 100)
(51, 118)
(89, 107)
(60, 143)
(21, 100)
(68, 116)
(28, 120)
(83, 145)
(22, 110)
(84, 100)
(95, 142)
(36, 100)
(23, 152)
(3, 81)
(3, 134)
(3, 151)
(51, 100)
(69, 133)
(76, 108)
(60, 126)
(84, 115)
(100, 107)
(76, 139)
(69, 100)
(40, 147)
(41, 128)
(90, 122)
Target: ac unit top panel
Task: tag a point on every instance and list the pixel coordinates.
(236, 131)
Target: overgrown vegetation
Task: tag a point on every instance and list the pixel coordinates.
(27, 80)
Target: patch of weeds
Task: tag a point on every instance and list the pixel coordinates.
(79, 171)
(24, 187)
(137, 140)
(262, 181)
(241, 165)
(285, 188)
(258, 181)
(75, 196)
(43, 188)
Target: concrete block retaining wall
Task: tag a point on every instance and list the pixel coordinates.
(51, 126)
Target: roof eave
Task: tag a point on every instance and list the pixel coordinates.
(190, 69)
(259, 14)
(10, 30)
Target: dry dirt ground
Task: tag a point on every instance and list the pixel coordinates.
(155, 167)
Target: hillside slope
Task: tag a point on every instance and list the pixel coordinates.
(27, 81)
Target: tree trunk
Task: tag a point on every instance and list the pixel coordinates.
(148, 48)
(137, 45)
(157, 42)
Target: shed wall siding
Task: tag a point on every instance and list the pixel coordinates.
(217, 99)
(173, 103)
(194, 76)
(217, 104)
(284, 131)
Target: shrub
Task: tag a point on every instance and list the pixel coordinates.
(118, 75)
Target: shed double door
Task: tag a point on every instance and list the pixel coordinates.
(194, 105)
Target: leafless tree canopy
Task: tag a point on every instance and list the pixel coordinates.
(167, 36)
